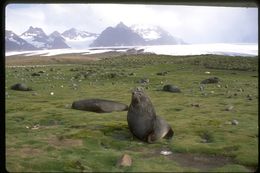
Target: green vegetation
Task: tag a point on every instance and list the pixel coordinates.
(44, 134)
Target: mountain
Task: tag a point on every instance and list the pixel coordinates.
(121, 35)
(38, 38)
(78, 39)
(74, 34)
(155, 35)
(57, 41)
(14, 43)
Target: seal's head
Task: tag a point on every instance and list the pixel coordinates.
(138, 95)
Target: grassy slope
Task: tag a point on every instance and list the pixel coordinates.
(72, 140)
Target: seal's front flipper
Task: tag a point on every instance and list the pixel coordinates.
(169, 134)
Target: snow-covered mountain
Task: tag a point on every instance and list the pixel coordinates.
(38, 38)
(14, 43)
(57, 41)
(78, 39)
(155, 35)
(120, 35)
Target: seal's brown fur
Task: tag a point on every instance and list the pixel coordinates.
(142, 119)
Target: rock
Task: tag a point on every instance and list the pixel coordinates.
(210, 80)
(162, 73)
(234, 122)
(125, 160)
(249, 97)
(99, 105)
(132, 74)
(201, 88)
(20, 87)
(195, 105)
(228, 123)
(171, 88)
(240, 90)
(165, 153)
(229, 108)
(35, 74)
(144, 81)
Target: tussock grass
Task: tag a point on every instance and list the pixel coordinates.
(73, 140)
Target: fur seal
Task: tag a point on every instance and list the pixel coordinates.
(99, 105)
(142, 120)
(20, 87)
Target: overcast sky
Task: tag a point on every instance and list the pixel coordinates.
(193, 24)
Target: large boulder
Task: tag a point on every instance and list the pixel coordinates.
(210, 80)
(171, 88)
(21, 87)
(99, 105)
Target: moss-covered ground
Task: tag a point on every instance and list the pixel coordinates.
(43, 133)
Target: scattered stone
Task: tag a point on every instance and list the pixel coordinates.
(67, 106)
(195, 105)
(35, 74)
(99, 105)
(165, 153)
(204, 141)
(34, 93)
(132, 74)
(201, 88)
(144, 81)
(52, 93)
(240, 90)
(234, 122)
(171, 88)
(219, 86)
(162, 73)
(207, 72)
(229, 108)
(212, 92)
(249, 97)
(228, 123)
(125, 160)
(74, 69)
(20, 87)
(35, 127)
(210, 80)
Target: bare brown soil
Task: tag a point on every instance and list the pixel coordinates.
(57, 59)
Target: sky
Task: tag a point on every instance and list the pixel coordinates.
(193, 24)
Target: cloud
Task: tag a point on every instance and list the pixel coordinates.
(193, 24)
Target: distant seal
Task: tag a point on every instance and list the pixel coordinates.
(142, 120)
(20, 87)
(99, 105)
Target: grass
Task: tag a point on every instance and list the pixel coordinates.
(73, 140)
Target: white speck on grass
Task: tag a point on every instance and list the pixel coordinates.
(52, 93)
(165, 153)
